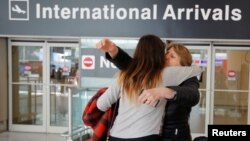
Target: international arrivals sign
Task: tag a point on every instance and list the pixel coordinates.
(111, 12)
(213, 19)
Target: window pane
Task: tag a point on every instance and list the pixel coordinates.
(27, 64)
(27, 102)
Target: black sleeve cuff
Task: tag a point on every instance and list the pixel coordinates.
(121, 60)
(108, 57)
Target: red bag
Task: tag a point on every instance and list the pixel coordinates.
(98, 120)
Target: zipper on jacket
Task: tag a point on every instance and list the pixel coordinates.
(176, 131)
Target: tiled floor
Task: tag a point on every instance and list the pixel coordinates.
(21, 136)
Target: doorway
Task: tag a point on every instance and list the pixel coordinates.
(40, 74)
(199, 117)
(230, 89)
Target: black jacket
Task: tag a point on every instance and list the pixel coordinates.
(177, 111)
(176, 120)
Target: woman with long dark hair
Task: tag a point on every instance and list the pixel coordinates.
(147, 69)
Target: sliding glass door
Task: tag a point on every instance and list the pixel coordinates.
(230, 95)
(41, 75)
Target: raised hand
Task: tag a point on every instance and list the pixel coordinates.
(106, 45)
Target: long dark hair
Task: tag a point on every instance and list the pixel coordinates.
(145, 68)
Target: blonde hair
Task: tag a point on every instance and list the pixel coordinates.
(182, 52)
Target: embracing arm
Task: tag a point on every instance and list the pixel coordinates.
(108, 98)
(188, 92)
(114, 54)
(175, 75)
(120, 60)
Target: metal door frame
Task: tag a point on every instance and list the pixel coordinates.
(206, 47)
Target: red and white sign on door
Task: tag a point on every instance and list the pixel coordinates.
(231, 75)
(88, 62)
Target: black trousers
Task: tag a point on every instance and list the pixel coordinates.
(146, 138)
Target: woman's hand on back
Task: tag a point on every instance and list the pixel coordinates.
(152, 96)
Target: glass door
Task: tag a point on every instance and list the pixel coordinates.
(199, 117)
(63, 71)
(26, 86)
(41, 75)
(230, 95)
